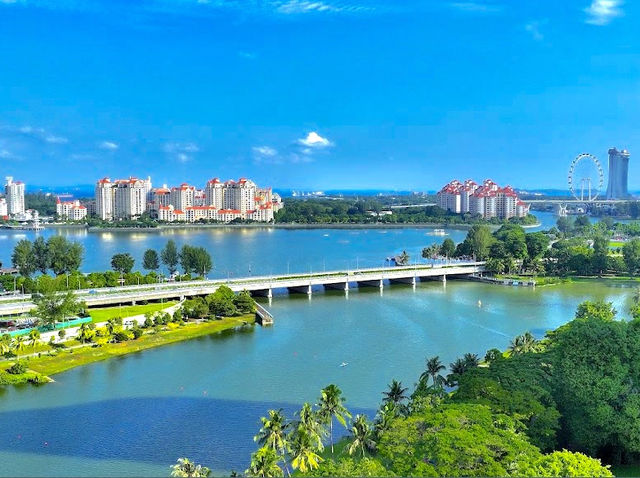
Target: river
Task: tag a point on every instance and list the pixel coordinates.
(137, 414)
(239, 252)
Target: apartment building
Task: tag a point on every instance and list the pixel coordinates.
(487, 200)
(14, 195)
(71, 210)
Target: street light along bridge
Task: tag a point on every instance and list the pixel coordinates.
(259, 286)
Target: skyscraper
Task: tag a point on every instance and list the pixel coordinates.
(618, 172)
(14, 191)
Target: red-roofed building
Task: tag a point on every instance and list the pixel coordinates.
(71, 210)
(488, 200)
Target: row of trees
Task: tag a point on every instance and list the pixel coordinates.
(56, 254)
(192, 260)
(222, 303)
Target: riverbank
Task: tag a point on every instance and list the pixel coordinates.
(66, 359)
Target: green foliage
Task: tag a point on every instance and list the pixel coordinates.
(631, 255)
(351, 468)
(596, 310)
(564, 463)
(222, 302)
(244, 303)
(196, 260)
(170, 256)
(23, 258)
(448, 247)
(477, 243)
(17, 368)
(52, 307)
(151, 260)
(122, 262)
(64, 256)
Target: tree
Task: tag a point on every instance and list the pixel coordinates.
(41, 255)
(150, 260)
(244, 302)
(631, 255)
(430, 252)
(64, 256)
(34, 338)
(596, 310)
(448, 247)
(537, 243)
(494, 265)
(396, 393)
(264, 463)
(385, 416)
(170, 257)
(361, 436)
(304, 456)
(185, 468)
(403, 259)
(122, 263)
(477, 243)
(23, 258)
(273, 434)
(565, 463)
(600, 254)
(331, 406)
(311, 423)
(433, 368)
(195, 259)
(19, 344)
(52, 307)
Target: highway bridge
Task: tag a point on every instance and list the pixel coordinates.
(259, 286)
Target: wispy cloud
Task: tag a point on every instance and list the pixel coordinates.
(50, 138)
(602, 12)
(264, 151)
(182, 152)
(108, 145)
(533, 28)
(476, 7)
(314, 140)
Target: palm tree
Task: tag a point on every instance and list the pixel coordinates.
(471, 360)
(85, 333)
(264, 463)
(20, 344)
(34, 337)
(384, 417)
(273, 434)
(523, 344)
(331, 406)
(434, 367)
(184, 467)
(304, 456)
(311, 422)
(5, 344)
(362, 436)
(396, 393)
(111, 326)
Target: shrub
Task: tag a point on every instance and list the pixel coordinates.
(120, 336)
(17, 368)
(148, 322)
(137, 332)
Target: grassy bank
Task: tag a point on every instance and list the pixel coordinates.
(106, 313)
(48, 365)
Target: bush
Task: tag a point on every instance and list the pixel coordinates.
(17, 368)
(137, 332)
(38, 379)
(120, 336)
(148, 322)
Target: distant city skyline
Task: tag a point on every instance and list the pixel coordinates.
(330, 94)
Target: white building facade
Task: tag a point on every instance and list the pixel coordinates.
(71, 210)
(14, 195)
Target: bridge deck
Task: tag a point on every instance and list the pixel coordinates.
(129, 294)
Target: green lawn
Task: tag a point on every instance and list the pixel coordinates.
(106, 313)
(67, 359)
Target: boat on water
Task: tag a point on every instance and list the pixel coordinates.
(437, 232)
(344, 364)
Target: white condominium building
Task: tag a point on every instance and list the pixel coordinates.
(488, 200)
(14, 194)
(71, 210)
(183, 196)
(122, 198)
(4, 211)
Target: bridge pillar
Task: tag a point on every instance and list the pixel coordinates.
(133, 302)
(443, 279)
(407, 280)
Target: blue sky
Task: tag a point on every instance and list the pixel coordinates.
(317, 94)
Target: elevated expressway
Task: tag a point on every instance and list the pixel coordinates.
(260, 286)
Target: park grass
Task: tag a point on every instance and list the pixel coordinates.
(67, 359)
(106, 313)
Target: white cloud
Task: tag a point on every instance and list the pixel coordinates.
(601, 12)
(5, 154)
(476, 7)
(266, 151)
(56, 139)
(182, 152)
(108, 145)
(534, 29)
(304, 6)
(314, 140)
(183, 158)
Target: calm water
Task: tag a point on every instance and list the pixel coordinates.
(202, 399)
(249, 251)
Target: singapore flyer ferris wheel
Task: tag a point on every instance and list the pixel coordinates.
(586, 177)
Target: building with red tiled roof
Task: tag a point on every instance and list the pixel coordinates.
(488, 200)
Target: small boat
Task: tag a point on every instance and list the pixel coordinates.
(344, 364)
(479, 303)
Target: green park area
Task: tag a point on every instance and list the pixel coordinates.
(106, 313)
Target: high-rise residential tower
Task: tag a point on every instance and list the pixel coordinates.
(618, 172)
(14, 192)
